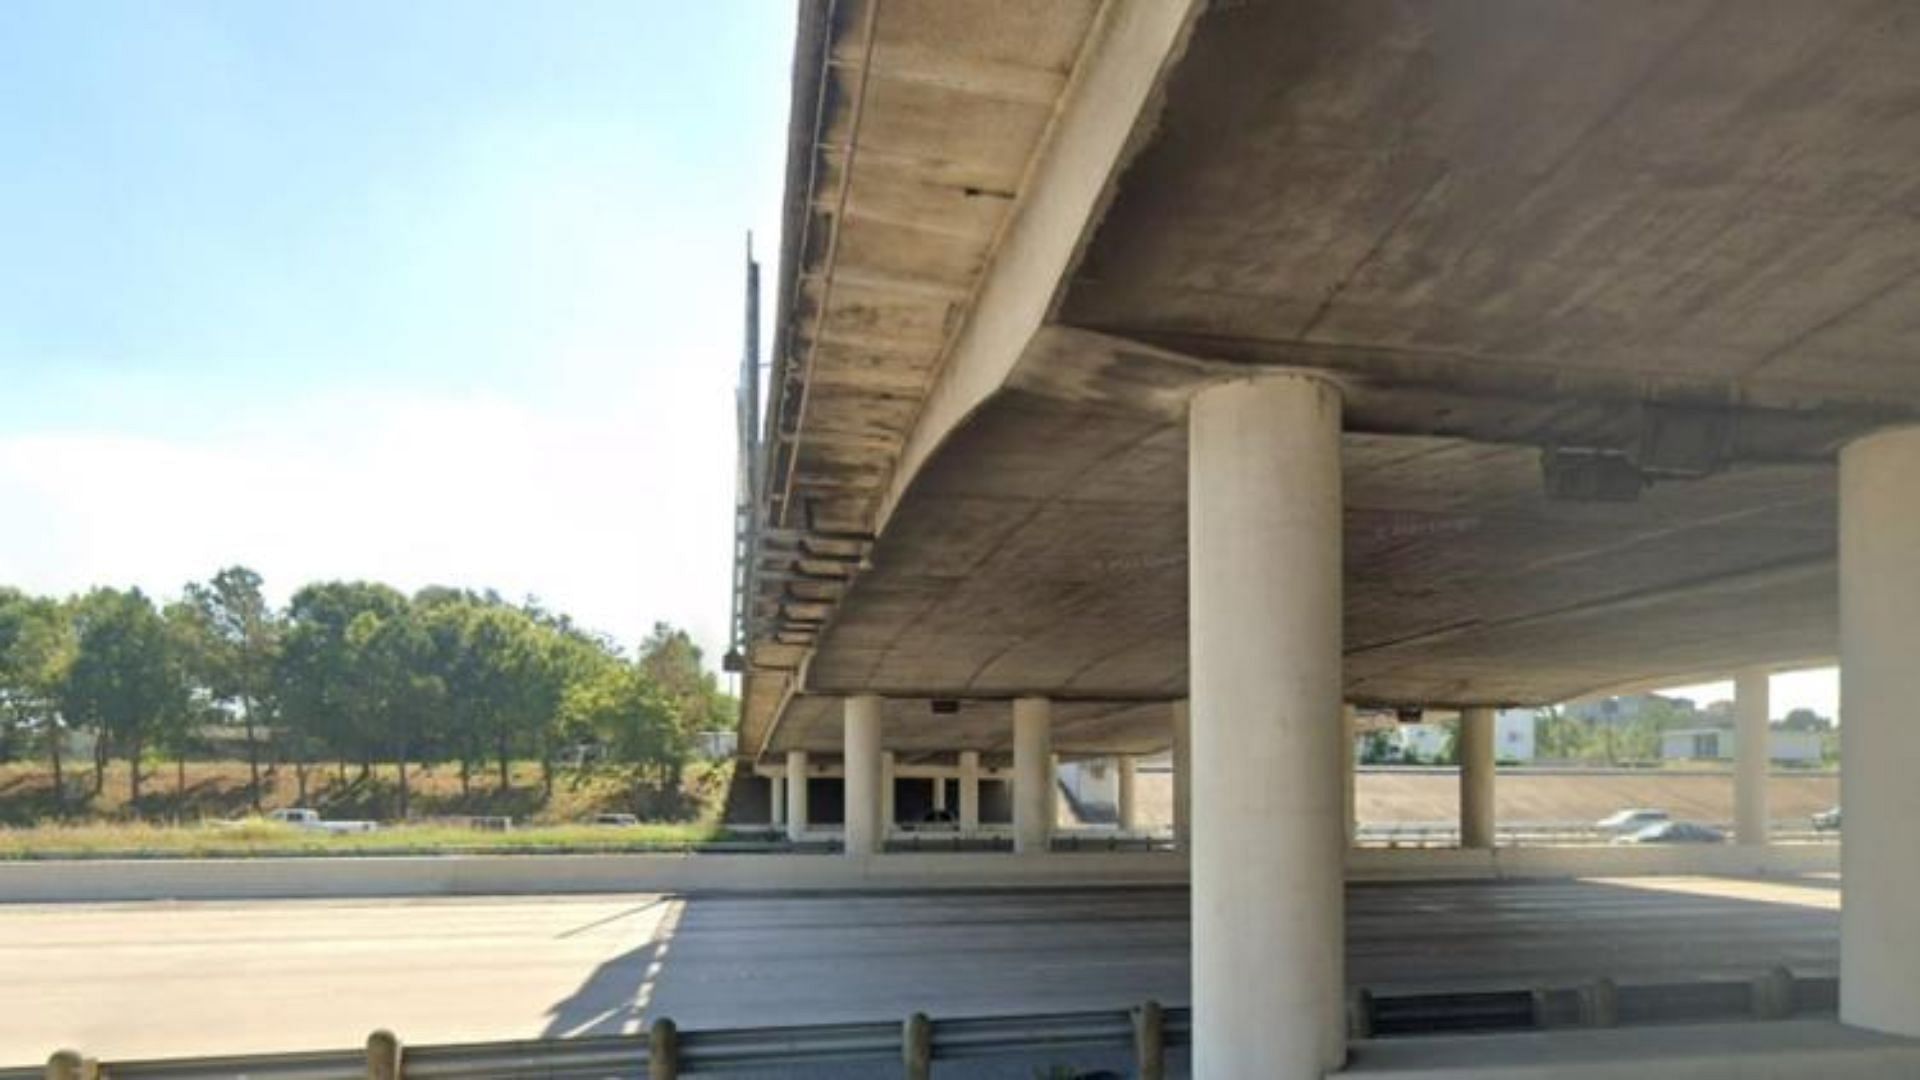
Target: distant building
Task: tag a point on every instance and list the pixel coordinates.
(1425, 741)
(1717, 744)
(1624, 710)
(1513, 731)
(1420, 742)
(716, 745)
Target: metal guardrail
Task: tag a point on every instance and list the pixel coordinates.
(665, 1052)
(1772, 995)
(1538, 834)
(1148, 1031)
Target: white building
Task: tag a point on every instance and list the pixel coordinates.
(1716, 744)
(1425, 741)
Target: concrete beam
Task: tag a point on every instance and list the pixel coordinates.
(1116, 84)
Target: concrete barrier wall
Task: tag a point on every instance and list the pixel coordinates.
(1374, 864)
(481, 875)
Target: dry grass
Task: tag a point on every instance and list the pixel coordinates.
(210, 814)
(256, 837)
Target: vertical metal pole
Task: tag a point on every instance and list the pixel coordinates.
(916, 1047)
(663, 1051)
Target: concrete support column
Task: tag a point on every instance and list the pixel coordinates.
(1032, 771)
(1474, 745)
(887, 776)
(1124, 767)
(1349, 773)
(939, 793)
(969, 790)
(863, 769)
(1879, 735)
(1264, 533)
(796, 794)
(1182, 776)
(1750, 755)
(776, 801)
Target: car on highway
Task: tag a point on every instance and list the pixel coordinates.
(1674, 832)
(1631, 820)
(301, 817)
(619, 821)
(1827, 820)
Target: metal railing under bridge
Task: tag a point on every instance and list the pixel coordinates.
(1146, 1033)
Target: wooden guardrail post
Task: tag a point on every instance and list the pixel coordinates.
(1600, 1004)
(663, 1051)
(1773, 995)
(383, 1056)
(916, 1047)
(1150, 1040)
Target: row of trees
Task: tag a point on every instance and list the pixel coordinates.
(350, 672)
(1561, 737)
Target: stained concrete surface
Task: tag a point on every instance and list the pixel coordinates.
(168, 979)
(1678, 234)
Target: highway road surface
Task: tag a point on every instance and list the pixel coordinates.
(169, 979)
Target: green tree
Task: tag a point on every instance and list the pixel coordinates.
(395, 688)
(36, 649)
(1804, 719)
(670, 659)
(317, 680)
(125, 680)
(237, 651)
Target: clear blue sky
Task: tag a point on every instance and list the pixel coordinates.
(421, 292)
(424, 292)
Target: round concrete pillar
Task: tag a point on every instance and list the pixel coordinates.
(1124, 767)
(864, 769)
(1181, 714)
(1750, 755)
(776, 801)
(969, 790)
(1264, 534)
(1474, 746)
(939, 793)
(1879, 732)
(1032, 773)
(796, 794)
(1349, 775)
(888, 774)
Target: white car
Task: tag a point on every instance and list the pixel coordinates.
(302, 818)
(1633, 820)
(1674, 832)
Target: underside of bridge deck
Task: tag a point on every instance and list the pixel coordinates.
(1603, 291)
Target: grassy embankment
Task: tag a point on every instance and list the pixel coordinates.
(209, 814)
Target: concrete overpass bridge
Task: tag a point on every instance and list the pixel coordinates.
(1159, 375)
